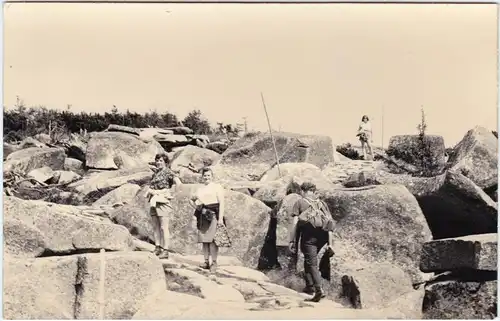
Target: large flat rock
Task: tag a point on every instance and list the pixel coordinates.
(198, 157)
(63, 229)
(289, 169)
(28, 159)
(114, 150)
(123, 194)
(427, 154)
(104, 182)
(478, 252)
(292, 148)
(123, 129)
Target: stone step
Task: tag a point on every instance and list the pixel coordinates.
(190, 282)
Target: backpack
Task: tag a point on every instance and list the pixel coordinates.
(317, 214)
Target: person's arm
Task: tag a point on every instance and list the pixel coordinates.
(222, 203)
(175, 177)
(192, 200)
(292, 229)
(331, 223)
(330, 238)
(177, 180)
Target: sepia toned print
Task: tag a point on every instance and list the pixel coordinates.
(250, 161)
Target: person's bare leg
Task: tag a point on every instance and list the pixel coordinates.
(156, 233)
(370, 151)
(363, 148)
(165, 233)
(206, 255)
(214, 251)
(164, 236)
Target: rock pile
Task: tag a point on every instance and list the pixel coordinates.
(467, 268)
(64, 202)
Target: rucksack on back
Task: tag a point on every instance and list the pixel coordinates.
(316, 214)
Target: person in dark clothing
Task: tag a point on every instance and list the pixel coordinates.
(313, 225)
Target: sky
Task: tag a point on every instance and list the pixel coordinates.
(320, 67)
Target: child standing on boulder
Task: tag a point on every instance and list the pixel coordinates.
(160, 206)
(209, 203)
(365, 136)
(313, 224)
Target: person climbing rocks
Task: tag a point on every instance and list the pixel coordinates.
(209, 214)
(159, 198)
(365, 136)
(313, 225)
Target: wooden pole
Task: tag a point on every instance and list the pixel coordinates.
(272, 137)
(382, 127)
(102, 283)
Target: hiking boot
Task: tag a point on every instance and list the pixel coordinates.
(317, 296)
(163, 254)
(308, 290)
(157, 250)
(213, 267)
(205, 266)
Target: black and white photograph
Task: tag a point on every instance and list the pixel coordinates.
(250, 161)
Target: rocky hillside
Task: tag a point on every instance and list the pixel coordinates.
(406, 246)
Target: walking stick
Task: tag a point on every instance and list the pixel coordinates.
(272, 137)
(101, 283)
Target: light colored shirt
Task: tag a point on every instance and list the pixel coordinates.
(365, 127)
(210, 193)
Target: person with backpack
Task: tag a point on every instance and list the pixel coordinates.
(313, 225)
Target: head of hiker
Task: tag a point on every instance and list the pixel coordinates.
(161, 161)
(207, 176)
(308, 190)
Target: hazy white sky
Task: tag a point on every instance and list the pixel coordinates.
(320, 67)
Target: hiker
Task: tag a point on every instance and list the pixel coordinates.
(365, 136)
(209, 203)
(160, 206)
(313, 225)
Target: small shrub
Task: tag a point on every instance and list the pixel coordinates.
(424, 153)
(450, 152)
(419, 153)
(251, 134)
(349, 152)
(65, 198)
